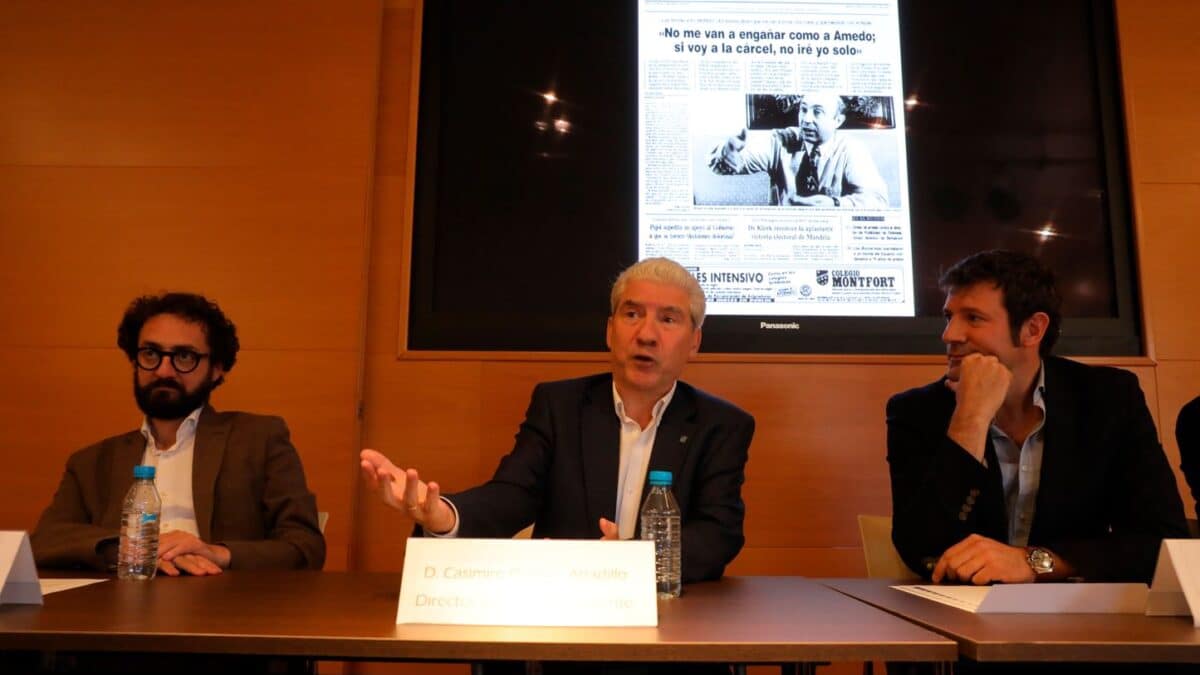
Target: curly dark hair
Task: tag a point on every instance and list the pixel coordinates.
(221, 333)
(1028, 287)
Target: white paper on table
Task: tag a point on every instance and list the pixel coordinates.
(18, 575)
(55, 585)
(961, 597)
(1066, 598)
(1176, 587)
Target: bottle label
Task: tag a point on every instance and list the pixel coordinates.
(149, 518)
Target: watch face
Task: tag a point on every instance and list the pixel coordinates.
(1041, 561)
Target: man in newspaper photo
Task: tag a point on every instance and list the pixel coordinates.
(812, 164)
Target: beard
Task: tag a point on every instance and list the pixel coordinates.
(168, 400)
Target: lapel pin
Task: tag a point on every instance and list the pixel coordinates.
(683, 439)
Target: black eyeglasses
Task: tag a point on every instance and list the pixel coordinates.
(182, 360)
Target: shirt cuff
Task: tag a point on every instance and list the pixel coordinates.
(454, 530)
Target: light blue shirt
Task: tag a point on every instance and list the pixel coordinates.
(1021, 470)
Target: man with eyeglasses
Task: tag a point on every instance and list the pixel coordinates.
(232, 486)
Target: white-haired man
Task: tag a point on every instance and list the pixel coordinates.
(578, 467)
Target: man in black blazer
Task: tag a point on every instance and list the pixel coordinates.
(578, 467)
(1018, 466)
(1187, 433)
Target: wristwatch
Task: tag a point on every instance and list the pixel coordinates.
(1040, 561)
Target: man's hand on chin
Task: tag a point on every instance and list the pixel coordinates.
(183, 553)
(979, 560)
(981, 384)
(980, 387)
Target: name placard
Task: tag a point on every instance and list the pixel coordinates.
(528, 582)
(17, 571)
(1176, 587)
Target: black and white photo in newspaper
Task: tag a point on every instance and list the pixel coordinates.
(772, 156)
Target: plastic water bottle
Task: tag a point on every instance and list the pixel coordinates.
(137, 556)
(660, 524)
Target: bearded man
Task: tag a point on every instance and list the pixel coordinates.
(232, 486)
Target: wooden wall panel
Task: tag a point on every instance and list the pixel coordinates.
(810, 562)
(220, 147)
(1170, 285)
(395, 82)
(134, 83)
(280, 250)
(423, 398)
(1157, 42)
(423, 415)
(387, 265)
(53, 403)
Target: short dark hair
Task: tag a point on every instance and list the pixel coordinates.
(221, 333)
(1028, 287)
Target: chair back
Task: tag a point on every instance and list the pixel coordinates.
(883, 561)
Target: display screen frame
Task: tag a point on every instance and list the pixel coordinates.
(556, 300)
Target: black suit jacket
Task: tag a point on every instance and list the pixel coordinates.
(562, 471)
(1106, 496)
(1187, 433)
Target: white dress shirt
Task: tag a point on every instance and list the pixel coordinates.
(173, 475)
(636, 445)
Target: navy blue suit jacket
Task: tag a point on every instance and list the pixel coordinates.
(1106, 497)
(562, 471)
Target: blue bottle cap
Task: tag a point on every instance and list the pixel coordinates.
(143, 471)
(660, 478)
